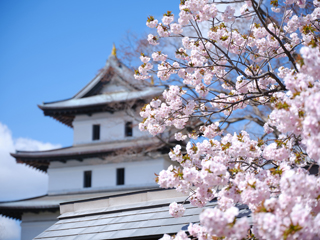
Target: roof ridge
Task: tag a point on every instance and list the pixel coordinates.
(24, 199)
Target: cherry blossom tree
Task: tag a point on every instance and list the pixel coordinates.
(231, 61)
(129, 52)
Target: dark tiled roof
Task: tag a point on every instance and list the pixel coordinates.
(41, 159)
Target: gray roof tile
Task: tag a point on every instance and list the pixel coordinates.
(129, 223)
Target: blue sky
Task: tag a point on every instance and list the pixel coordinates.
(50, 49)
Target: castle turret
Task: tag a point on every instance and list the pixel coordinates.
(109, 154)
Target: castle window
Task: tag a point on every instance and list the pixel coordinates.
(87, 175)
(96, 132)
(128, 129)
(120, 176)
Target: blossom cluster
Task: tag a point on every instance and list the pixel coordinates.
(219, 223)
(223, 70)
(291, 213)
(176, 210)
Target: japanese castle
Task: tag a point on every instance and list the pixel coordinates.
(109, 155)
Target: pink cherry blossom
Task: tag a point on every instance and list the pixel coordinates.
(176, 210)
(234, 69)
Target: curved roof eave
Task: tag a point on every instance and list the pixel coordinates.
(103, 99)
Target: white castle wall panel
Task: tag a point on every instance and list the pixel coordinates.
(137, 174)
(112, 127)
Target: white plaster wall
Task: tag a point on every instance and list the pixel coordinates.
(112, 127)
(69, 178)
(33, 224)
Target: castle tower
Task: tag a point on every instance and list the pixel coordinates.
(109, 154)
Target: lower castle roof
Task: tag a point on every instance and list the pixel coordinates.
(41, 159)
(136, 215)
(15, 209)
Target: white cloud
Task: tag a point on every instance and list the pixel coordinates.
(26, 144)
(18, 181)
(9, 229)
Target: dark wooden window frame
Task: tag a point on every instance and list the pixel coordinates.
(96, 132)
(120, 176)
(128, 129)
(87, 179)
